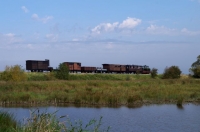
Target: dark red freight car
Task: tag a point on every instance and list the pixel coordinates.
(87, 69)
(114, 68)
(73, 66)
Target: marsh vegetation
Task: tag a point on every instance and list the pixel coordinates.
(99, 89)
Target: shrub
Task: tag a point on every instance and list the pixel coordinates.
(195, 68)
(62, 72)
(154, 73)
(172, 72)
(195, 72)
(13, 73)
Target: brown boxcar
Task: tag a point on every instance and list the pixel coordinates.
(87, 69)
(73, 66)
(37, 65)
(114, 68)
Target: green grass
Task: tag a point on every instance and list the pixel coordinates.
(7, 122)
(50, 76)
(101, 89)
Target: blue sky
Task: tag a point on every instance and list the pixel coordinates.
(154, 32)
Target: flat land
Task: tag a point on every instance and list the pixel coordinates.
(100, 89)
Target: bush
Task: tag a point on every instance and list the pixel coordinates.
(62, 72)
(196, 72)
(13, 73)
(172, 72)
(154, 73)
(195, 68)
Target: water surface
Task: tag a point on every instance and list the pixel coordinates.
(152, 118)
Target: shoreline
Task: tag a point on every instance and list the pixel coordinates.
(62, 104)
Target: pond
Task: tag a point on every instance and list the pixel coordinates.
(147, 118)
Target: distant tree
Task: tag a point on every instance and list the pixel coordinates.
(172, 72)
(195, 68)
(154, 73)
(62, 72)
(13, 73)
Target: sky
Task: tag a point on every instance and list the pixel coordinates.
(157, 33)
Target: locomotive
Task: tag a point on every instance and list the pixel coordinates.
(75, 67)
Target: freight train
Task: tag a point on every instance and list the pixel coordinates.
(75, 67)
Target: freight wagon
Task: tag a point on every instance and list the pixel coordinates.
(117, 68)
(38, 65)
(87, 69)
(73, 66)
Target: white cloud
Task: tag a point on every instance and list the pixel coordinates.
(107, 27)
(44, 19)
(11, 35)
(9, 38)
(162, 30)
(35, 17)
(129, 23)
(188, 32)
(24, 9)
(153, 29)
(47, 18)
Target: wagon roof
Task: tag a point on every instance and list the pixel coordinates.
(37, 60)
(71, 62)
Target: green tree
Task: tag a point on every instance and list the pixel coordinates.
(62, 72)
(195, 68)
(172, 72)
(13, 73)
(154, 73)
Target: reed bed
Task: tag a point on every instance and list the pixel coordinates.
(7, 122)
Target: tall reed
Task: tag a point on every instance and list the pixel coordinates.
(47, 122)
(7, 122)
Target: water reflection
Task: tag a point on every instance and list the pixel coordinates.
(180, 106)
(143, 118)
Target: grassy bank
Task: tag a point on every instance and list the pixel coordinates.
(50, 76)
(101, 89)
